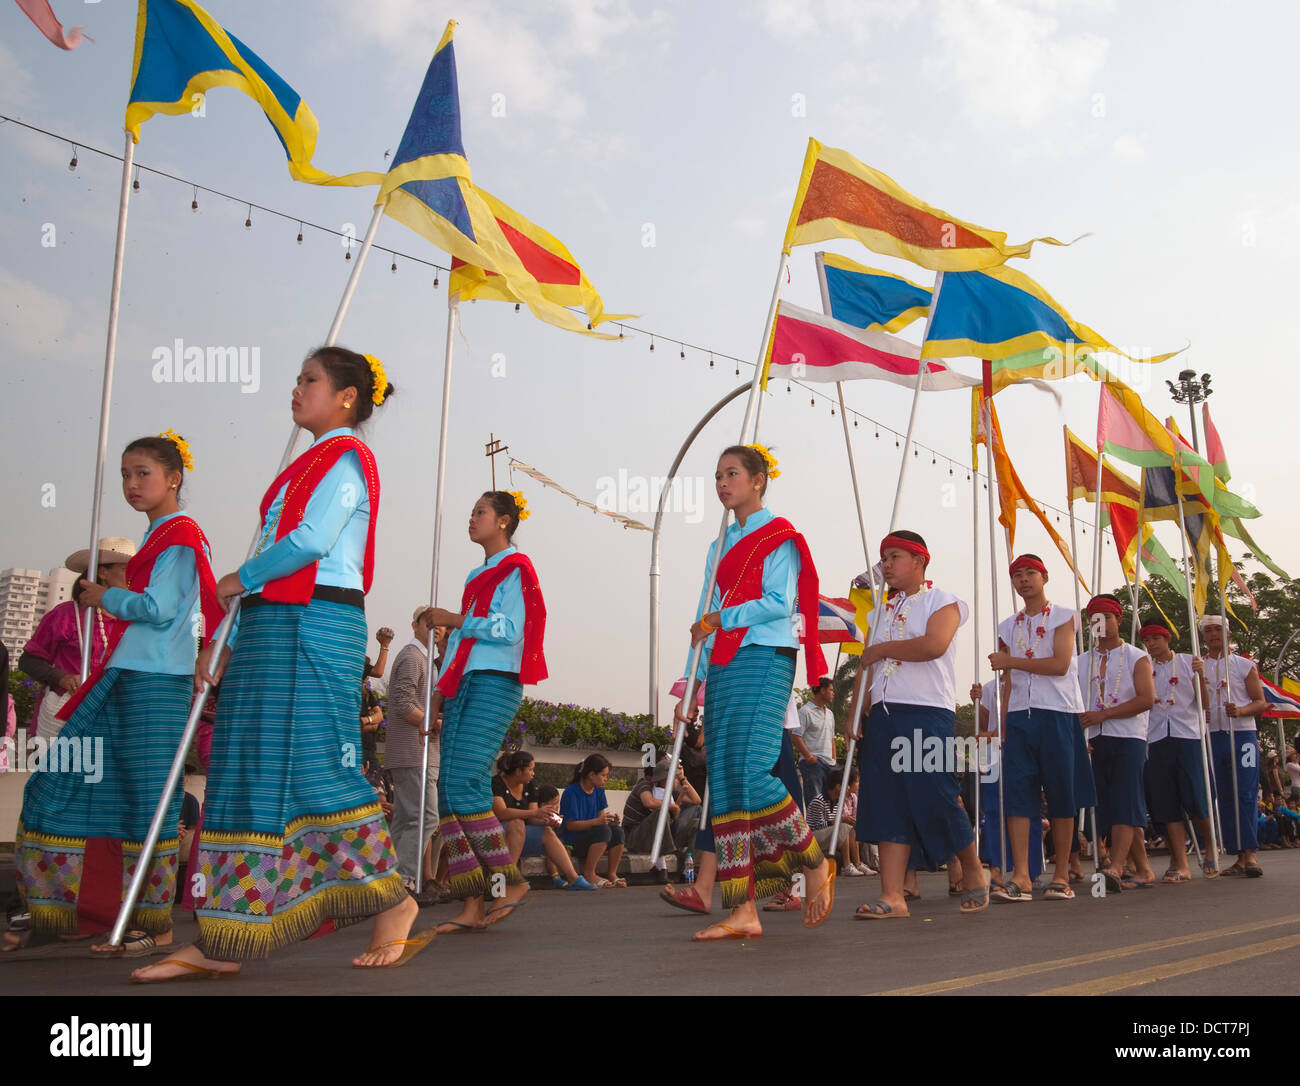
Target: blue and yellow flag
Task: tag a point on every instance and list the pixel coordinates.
(870, 298)
(428, 188)
(1003, 315)
(181, 52)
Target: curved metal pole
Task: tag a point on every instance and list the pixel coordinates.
(1277, 681)
(654, 543)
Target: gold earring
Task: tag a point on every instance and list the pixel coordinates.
(347, 403)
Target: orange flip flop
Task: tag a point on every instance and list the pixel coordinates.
(830, 904)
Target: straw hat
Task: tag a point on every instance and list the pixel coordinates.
(113, 551)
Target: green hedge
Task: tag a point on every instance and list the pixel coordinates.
(542, 722)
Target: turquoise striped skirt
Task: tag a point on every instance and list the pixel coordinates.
(293, 835)
(88, 810)
(760, 835)
(474, 724)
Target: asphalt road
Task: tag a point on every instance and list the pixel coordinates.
(1222, 937)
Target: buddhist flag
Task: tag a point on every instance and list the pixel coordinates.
(181, 52)
(429, 190)
(1012, 494)
(1001, 314)
(870, 298)
(1214, 451)
(809, 346)
(840, 197)
(545, 258)
(1202, 474)
(1081, 476)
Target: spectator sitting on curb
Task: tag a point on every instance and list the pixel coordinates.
(530, 828)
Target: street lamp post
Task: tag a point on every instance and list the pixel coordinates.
(1191, 391)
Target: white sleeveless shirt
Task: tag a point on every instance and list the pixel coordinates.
(1033, 636)
(1113, 688)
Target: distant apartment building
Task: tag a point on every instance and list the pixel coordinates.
(25, 596)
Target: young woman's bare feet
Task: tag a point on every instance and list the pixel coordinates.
(741, 924)
(503, 907)
(391, 926)
(169, 971)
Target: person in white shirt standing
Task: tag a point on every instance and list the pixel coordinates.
(814, 739)
(1233, 695)
(1045, 751)
(909, 791)
(1175, 773)
(1118, 692)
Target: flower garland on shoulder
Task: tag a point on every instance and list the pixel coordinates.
(182, 447)
(768, 459)
(899, 621)
(521, 504)
(380, 378)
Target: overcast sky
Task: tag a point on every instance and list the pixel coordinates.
(662, 144)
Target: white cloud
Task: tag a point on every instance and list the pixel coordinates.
(1009, 61)
(34, 320)
(1130, 147)
(853, 21)
(523, 55)
(15, 81)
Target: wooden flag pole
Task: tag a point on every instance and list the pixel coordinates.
(987, 409)
(106, 397)
(692, 666)
(1215, 838)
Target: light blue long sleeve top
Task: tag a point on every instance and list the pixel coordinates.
(772, 617)
(499, 633)
(333, 531)
(164, 616)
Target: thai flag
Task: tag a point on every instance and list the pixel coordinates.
(1281, 705)
(835, 621)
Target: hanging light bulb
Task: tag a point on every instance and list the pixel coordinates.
(72, 164)
(787, 386)
(194, 203)
(683, 347)
(737, 369)
(300, 233)
(832, 410)
(393, 269)
(248, 222)
(516, 307)
(435, 278)
(652, 344)
(710, 360)
(135, 185)
(620, 331)
(855, 424)
(812, 402)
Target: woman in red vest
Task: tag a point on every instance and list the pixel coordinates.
(87, 813)
(763, 606)
(495, 647)
(293, 840)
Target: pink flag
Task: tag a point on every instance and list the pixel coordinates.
(39, 12)
(811, 346)
(1214, 446)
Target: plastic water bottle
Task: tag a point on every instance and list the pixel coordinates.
(688, 870)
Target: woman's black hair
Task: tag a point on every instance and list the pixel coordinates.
(751, 460)
(163, 452)
(514, 761)
(503, 505)
(346, 369)
(593, 763)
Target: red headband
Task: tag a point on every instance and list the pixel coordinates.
(1026, 562)
(1154, 629)
(1099, 605)
(909, 545)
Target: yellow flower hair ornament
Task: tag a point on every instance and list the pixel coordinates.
(182, 447)
(381, 380)
(521, 504)
(768, 459)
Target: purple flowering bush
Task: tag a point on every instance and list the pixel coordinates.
(542, 722)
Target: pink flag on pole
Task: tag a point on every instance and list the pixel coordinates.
(40, 13)
(1214, 446)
